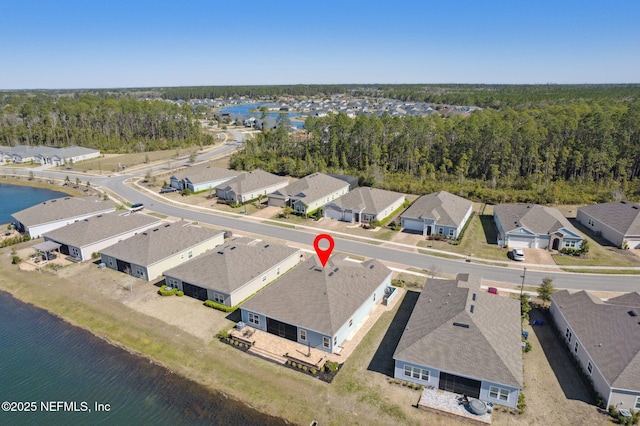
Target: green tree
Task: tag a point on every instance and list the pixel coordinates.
(78, 181)
(525, 307)
(546, 289)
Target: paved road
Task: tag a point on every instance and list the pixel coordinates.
(584, 281)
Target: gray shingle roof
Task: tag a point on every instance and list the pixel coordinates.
(200, 174)
(312, 187)
(159, 243)
(608, 332)
(320, 299)
(447, 209)
(370, 200)
(60, 209)
(229, 267)
(251, 181)
(101, 227)
(541, 220)
(489, 349)
(623, 216)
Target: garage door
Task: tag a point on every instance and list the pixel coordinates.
(633, 244)
(413, 224)
(332, 214)
(519, 242)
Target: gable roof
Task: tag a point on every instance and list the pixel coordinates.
(61, 209)
(312, 187)
(623, 216)
(159, 243)
(369, 200)
(608, 333)
(487, 347)
(101, 227)
(541, 220)
(251, 181)
(447, 209)
(317, 298)
(229, 267)
(202, 174)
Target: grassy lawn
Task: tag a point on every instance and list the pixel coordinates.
(111, 162)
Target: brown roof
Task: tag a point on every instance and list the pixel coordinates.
(368, 200)
(541, 220)
(446, 208)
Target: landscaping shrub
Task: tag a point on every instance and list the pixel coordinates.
(15, 240)
(521, 403)
(397, 283)
(16, 260)
(330, 366)
(313, 371)
(164, 292)
(219, 306)
(180, 293)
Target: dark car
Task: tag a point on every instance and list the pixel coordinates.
(168, 189)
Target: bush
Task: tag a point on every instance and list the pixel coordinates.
(331, 366)
(374, 223)
(164, 292)
(521, 403)
(223, 334)
(527, 347)
(313, 371)
(15, 240)
(16, 260)
(220, 306)
(95, 255)
(180, 293)
(397, 283)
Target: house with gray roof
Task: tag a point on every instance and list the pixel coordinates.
(234, 271)
(201, 178)
(310, 193)
(250, 185)
(156, 250)
(604, 336)
(617, 222)
(534, 226)
(316, 306)
(83, 238)
(364, 204)
(440, 213)
(53, 214)
(46, 154)
(463, 340)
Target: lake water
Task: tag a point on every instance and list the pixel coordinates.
(245, 110)
(14, 198)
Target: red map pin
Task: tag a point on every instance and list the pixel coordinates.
(323, 254)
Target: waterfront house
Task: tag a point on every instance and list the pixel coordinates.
(440, 213)
(156, 250)
(463, 340)
(201, 178)
(249, 186)
(316, 306)
(310, 193)
(534, 226)
(604, 337)
(53, 214)
(234, 271)
(618, 222)
(82, 239)
(363, 205)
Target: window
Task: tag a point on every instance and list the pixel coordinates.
(637, 403)
(326, 342)
(589, 367)
(190, 254)
(591, 222)
(575, 348)
(254, 319)
(567, 335)
(571, 244)
(303, 335)
(451, 232)
(219, 298)
(350, 322)
(264, 278)
(278, 271)
(440, 231)
(416, 373)
(498, 393)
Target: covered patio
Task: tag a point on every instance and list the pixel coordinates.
(44, 251)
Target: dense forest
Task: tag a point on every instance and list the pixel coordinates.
(582, 152)
(106, 123)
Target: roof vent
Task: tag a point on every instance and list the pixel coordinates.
(220, 252)
(331, 273)
(53, 201)
(634, 207)
(336, 270)
(459, 324)
(471, 308)
(371, 266)
(623, 202)
(144, 233)
(633, 313)
(266, 246)
(473, 297)
(167, 225)
(233, 248)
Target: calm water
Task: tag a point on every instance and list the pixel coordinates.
(14, 198)
(244, 109)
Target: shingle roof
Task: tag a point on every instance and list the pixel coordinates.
(489, 348)
(159, 243)
(229, 267)
(317, 298)
(447, 209)
(369, 200)
(200, 174)
(539, 219)
(608, 333)
(251, 181)
(60, 209)
(623, 216)
(312, 187)
(101, 227)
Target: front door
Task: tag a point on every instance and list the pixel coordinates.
(428, 230)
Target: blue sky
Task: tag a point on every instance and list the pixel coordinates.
(114, 43)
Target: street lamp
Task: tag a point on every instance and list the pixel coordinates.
(524, 274)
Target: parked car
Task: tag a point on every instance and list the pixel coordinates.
(168, 189)
(137, 207)
(493, 290)
(517, 254)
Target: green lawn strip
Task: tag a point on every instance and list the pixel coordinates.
(602, 271)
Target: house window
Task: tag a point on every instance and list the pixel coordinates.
(575, 348)
(451, 232)
(254, 319)
(441, 231)
(570, 244)
(278, 271)
(567, 335)
(303, 335)
(498, 393)
(637, 403)
(416, 373)
(335, 340)
(326, 342)
(591, 222)
(589, 367)
(190, 254)
(350, 322)
(218, 298)
(264, 278)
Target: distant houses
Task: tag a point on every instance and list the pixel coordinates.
(249, 186)
(309, 193)
(464, 340)
(149, 254)
(82, 239)
(440, 213)
(534, 226)
(201, 178)
(53, 214)
(604, 336)
(234, 271)
(618, 222)
(363, 205)
(319, 307)
(46, 155)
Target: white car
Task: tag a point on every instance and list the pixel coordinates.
(517, 254)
